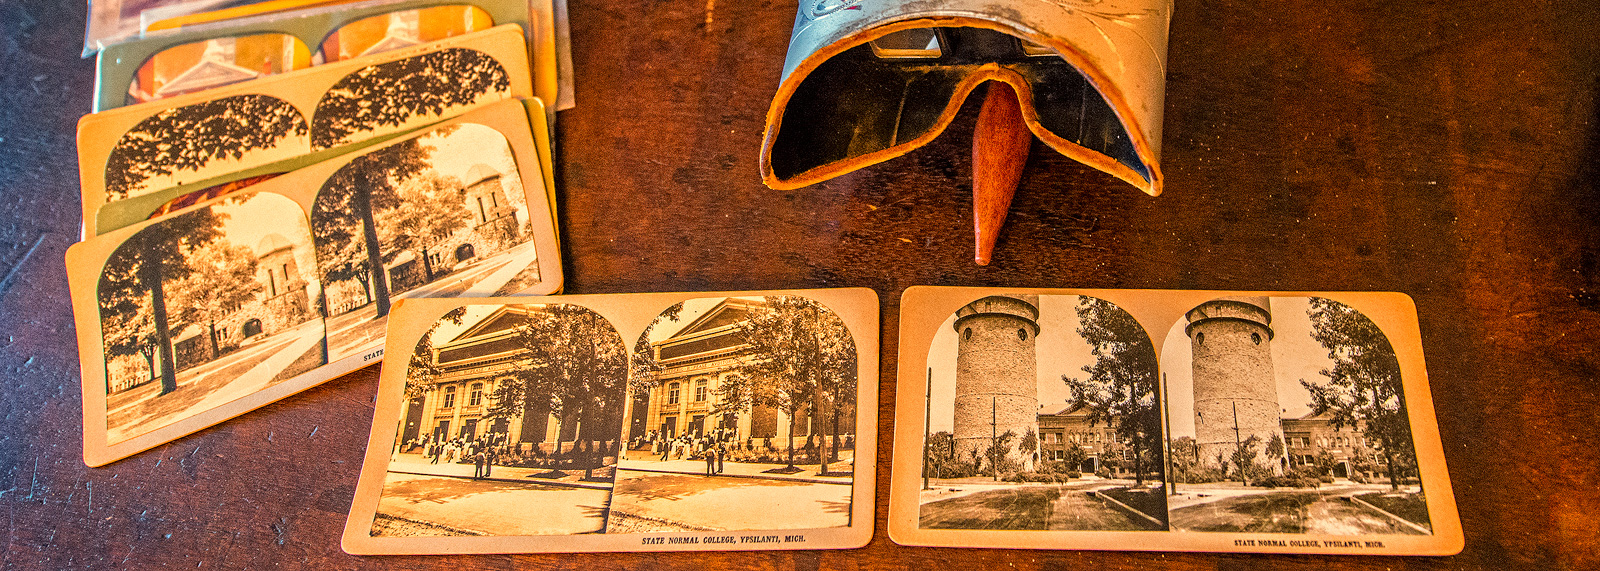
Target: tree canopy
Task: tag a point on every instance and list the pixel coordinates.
(575, 363)
(390, 94)
(222, 278)
(430, 209)
(190, 137)
(799, 354)
(1363, 390)
(1120, 390)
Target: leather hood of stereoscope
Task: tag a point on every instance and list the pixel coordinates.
(869, 80)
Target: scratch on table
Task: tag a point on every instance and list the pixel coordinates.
(314, 430)
(711, 9)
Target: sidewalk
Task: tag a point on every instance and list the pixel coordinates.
(697, 467)
(418, 464)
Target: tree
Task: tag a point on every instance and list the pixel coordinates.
(1185, 455)
(998, 448)
(423, 370)
(127, 321)
(429, 209)
(1363, 390)
(940, 453)
(1029, 445)
(645, 369)
(190, 137)
(342, 219)
(1073, 458)
(141, 267)
(799, 353)
(390, 94)
(1275, 450)
(1244, 458)
(575, 363)
(1120, 390)
(222, 278)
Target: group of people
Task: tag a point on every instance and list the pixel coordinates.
(712, 446)
(482, 451)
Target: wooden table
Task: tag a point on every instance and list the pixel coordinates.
(1447, 150)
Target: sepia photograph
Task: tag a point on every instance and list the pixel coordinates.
(738, 402)
(1042, 415)
(216, 62)
(195, 142)
(206, 307)
(440, 215)
(393, 96)
(509, 425)
(1288, 415)
(401, 29)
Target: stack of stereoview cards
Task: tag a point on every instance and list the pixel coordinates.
(1167, 420)
(258, 193)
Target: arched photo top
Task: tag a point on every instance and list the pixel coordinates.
(390, 97)
(401, 29)
(215, 62)
(198, 141)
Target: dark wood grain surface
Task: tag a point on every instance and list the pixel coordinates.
(1447, 150)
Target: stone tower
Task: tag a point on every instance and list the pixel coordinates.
(1235, 393)
(996, 378)
(283, 289)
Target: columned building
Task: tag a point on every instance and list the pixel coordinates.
(696, 361)
(459, 401)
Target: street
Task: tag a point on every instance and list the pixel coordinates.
(972, 505)
(1324, 511)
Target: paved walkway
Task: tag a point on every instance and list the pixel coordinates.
(420, 465)
(209, 385)
(685, 502)
(696, 467)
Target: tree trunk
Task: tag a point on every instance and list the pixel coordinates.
(792, 411)
(148, 352)
(816, 423)
(427, 266)
(835, 413)
(150, 267)
(369, 233)
(215, 350)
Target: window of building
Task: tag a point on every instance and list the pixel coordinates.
(672, 393)
(449, 397)
(700, 390)
(1200, 338)
(967, 334)
(475, 396)
(1022, 334)
(1255, 338)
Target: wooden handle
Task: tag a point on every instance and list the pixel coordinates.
(1000, 145)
